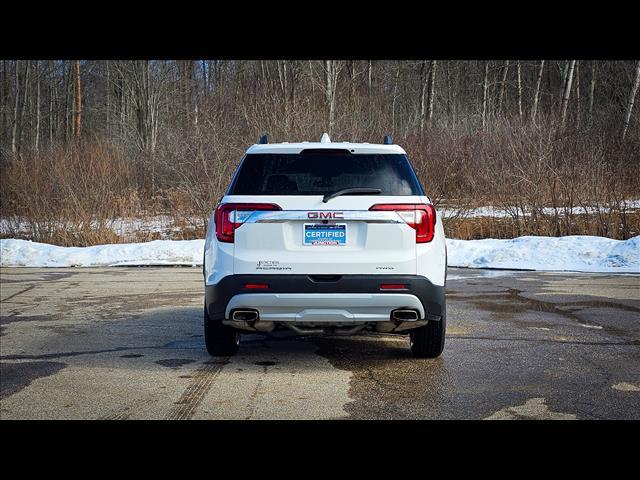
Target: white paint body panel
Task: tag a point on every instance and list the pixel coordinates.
(372, 247)
(299, 146)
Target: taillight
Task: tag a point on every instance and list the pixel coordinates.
(420, 217)
(230, 216)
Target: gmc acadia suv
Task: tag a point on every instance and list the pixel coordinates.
(323, 237)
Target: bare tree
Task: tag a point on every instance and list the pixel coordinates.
(53, 89)
(14, 129)
(4, 101)
(395, 97)
(503, 85)
(519, 89)
(567, 92)
(592, 89)
(485, 86)
(37, 136)
(23, 107)
(78, 119)
(423, 91)
(577, 75)
(331, 70)
(177, 130)
(536, 94)
(632, 98)
(432, 89)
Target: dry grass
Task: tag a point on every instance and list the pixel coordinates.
(71, 195)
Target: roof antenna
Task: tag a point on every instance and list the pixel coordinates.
(388, 140)
(264, 139)
(325, 138)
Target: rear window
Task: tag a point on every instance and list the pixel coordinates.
(322, 173)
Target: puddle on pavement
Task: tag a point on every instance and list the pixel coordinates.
(510, 302)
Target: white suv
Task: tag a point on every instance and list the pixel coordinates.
(325, 237)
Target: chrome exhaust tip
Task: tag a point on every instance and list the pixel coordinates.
(244, 315)
(404, 315)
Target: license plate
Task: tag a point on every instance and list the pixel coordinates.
(325, 234)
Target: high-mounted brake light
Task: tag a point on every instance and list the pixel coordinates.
(420, 217)
(229, 216)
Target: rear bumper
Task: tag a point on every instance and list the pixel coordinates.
(324, 308)
(334, 298)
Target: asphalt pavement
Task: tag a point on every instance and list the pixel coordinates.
(127, 343)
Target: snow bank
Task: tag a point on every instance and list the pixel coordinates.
(22, 253)
(574, 253)
(579, 253)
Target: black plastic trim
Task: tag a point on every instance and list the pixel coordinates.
(217, 296)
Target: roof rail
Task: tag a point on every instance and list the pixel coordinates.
(388, 140)
(264, 139)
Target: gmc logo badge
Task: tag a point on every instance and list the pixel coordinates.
(317, 215)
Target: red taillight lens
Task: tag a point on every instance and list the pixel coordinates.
(256, 286)
(227, 219)
(393, 286)
(420, 217)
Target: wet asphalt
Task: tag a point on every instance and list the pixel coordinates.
(126, 343)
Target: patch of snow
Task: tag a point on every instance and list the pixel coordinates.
(22, 253)
(579, 253)
(572, 253)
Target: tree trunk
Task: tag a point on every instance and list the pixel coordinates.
(78, 121)
(632, 98)
(108, 88)
(205, 78)
(14, 130)
(485, 86)
(577, 74)
(592, 89)
(567, 92)
(451, 114)
(503, 85)
(423, 93)
(432, 90)
(352, 82)
(331, 78)
(395, 97)
(536, 95)
(53, 94)
(4, 102)
(519, 75)
(25, 89)
(37, 139)
(71, 102)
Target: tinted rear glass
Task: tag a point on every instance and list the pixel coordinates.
(321, 173)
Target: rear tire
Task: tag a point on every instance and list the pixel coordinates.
(221, 341)
(428, 341)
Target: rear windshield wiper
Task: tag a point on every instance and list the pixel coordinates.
(352, 191)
